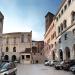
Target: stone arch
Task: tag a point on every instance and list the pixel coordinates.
(37, 61)
(6, 57)
(13, 57)
(61, 54)
(67, 53)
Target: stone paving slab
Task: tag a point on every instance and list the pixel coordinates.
(39, 69)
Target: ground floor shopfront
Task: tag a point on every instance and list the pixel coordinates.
(20, 57)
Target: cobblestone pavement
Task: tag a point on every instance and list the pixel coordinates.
(39, 69)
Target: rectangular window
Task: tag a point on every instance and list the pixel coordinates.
(73, 17)
(65, 36)
(27, 56)
(60, 40)
(22, 39)
(22, 56)
(69, 2)
(65, 7)
(62, 12)
(61, 27)
(65, 23)
(58, 29)
(14, 40)
(57, 18)
(7, 40)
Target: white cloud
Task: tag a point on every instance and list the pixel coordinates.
(36, 36)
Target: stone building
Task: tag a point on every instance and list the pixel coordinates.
(50, 37)
(37, 55)
(17, 46)
(64, 24)
(65, 30)
(1, 31)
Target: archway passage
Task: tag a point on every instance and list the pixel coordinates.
(6, 57)
(67, 52)
(74, 50)
(53, 53)
(61, 55)
(36, 61)
(13, 57)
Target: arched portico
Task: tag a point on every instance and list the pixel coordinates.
(60, 54)
(67, 53)
(13, 57)
(6, 57)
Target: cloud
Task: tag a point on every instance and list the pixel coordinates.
(36, 36)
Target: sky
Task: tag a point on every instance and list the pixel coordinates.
(27, 15)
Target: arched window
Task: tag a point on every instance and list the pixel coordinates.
(7, 49)
(14, 49)
(64, 23)
(73, 16)
(6, 57)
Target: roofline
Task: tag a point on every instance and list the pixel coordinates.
(2, 15)
(60, 6)
(15, 33)
(49, 13)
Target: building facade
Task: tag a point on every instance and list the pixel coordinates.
(50, 37)
(17, 46)
(1, 31)
(37, 55)
(65, 27)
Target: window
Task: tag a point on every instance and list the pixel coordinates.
(60, 40)
(14, 40)
(40, 53)
(7, 49)
(55, 43)
(62, 11)
(69, 2)
(65, 7)
(27, 56)
(22, 38)
(58, 29)
(57, 18)
(14, 49)
(73, 16)
(22, 57)
(7, 40)
(65, 36)
(59, 15)
(29, 38)
(65, 23)
(61, 26)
